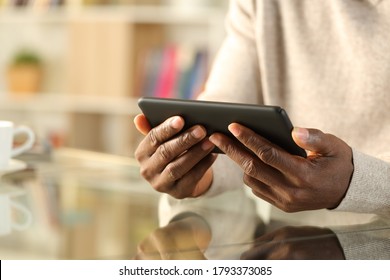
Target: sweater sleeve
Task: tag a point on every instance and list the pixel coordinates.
(365, 241)
(235, 73)
(369, 190)
(234, 77)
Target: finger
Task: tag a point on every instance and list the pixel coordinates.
(180, 177)
(165, 243)
(158, 135)
(171, 149)
(176, 169)
(260, 252)
(164, 131)
(142, 124)
(268, 152)
(281, 196)
(260, 189)
(315, 141)
(176, 243)
(248, 161)
(147, 250)
(190, 185)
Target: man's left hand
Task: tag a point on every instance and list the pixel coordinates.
(290, 182)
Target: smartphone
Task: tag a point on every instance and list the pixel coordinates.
(271, 122)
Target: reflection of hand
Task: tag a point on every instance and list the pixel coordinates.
(172, 162)
(289, 182)
(296, 243)
(183, 239)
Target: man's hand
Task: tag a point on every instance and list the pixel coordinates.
(185, 239)
(289, 182)
(296, 243)
(174, 161)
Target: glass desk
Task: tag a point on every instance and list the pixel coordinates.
(86, 205)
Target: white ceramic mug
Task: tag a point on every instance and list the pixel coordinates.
(7, 133)
(13, 214)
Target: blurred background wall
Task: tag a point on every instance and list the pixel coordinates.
(74, 69)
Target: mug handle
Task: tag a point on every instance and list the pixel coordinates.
(26, 145)
(27, 216)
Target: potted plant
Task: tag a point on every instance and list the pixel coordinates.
(25, 73)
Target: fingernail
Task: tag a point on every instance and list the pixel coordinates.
(207, 145)
(301, 133)
(198, 132)
(234, 130)
(175, 122)
(213, 139)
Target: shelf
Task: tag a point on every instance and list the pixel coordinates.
(149, 14)
(24, 15)
(65, 103)
(130, 14)
(99, 50)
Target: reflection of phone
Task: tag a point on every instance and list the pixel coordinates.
(271, 122)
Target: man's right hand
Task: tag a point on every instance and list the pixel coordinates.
(173, 161)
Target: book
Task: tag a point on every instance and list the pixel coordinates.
(152, 69)
(167, 74)
(199, 73)
(195, 75)
(173, 72)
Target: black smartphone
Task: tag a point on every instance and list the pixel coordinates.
(271, 122)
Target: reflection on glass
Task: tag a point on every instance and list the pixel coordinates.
(301, 243)
(209, 233)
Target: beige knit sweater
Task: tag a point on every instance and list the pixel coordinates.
(327, 62)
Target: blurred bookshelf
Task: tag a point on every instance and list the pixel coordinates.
(99, 57)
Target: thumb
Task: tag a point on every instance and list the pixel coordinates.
(314, 141)
(142, 124)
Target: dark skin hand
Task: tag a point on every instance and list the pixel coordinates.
(289, 182)
(296, 243)
(184, 239)
(179, 163)
(174, 161)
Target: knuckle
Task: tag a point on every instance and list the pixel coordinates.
(159, 187)
(229, 149)
(138, 155)
(250, 167)
(173, 172)
(267, 154)
(144, 172)
(185, 140)
(164, 152)
(160, 134)
(251, 141)
(153, 137)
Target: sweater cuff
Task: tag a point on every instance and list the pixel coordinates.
(365, 241)
(369, 190)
